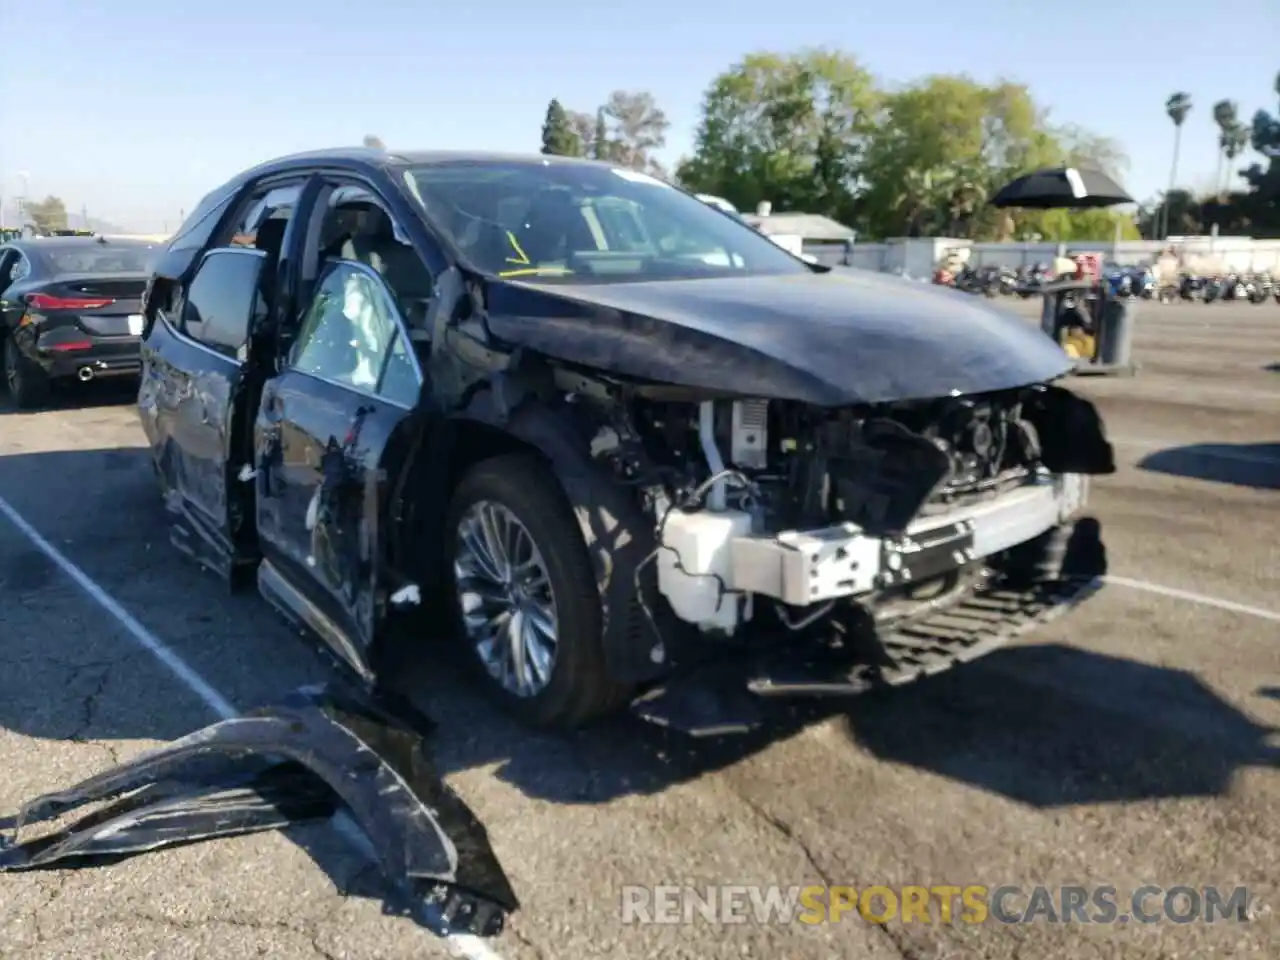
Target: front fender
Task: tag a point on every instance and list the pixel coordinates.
(616, 532)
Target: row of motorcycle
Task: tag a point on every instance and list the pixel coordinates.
(1138, 282)
(1255, 288)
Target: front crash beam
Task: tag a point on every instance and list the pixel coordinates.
(318, 752)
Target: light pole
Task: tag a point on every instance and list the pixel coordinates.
(23, 200)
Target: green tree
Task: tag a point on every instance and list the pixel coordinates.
(583, 126)
(1079, 226)
(1178, 212)
(788, 128)
(48, 214)
(1264, 137)
(634, 127)
(1254, 210)
(1234, 141)
(1226, 115)
(1176, 107)
(374, 143)
(943, 146)
(558, 136)
(1082, 148)
(601, 146)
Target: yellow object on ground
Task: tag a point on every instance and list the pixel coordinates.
(1078, 344)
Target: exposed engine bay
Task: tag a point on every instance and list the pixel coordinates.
(807, 506)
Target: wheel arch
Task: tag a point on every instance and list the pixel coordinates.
(615, 530)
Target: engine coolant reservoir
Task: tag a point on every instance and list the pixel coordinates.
(699, 543)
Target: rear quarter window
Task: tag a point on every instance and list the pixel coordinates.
(197, 229)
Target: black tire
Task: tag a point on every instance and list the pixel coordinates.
(581, 688)
(27, 384)
(1071, 551)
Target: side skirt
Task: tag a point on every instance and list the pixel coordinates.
(295, 607)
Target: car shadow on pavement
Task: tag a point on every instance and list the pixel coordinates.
(112, 392)
(1241, 464)
(1045, 725)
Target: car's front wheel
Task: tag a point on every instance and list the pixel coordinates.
(525, 596)
(27, 383)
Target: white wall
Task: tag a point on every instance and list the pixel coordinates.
(917, 257)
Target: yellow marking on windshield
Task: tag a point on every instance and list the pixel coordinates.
(537, 272)
(524, 260)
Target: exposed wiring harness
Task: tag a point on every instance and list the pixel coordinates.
(692, 499)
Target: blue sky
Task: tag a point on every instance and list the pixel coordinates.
(136, 108)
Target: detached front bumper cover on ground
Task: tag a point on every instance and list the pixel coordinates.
(315, 754)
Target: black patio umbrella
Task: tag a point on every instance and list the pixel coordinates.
(1063, 188)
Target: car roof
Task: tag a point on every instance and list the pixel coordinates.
(368, 158)
(63, 244)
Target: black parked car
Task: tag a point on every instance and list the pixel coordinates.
(574, 421)
(70, 307)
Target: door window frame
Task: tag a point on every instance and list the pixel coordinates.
(329, 267)
(179, 328)
(254, 201)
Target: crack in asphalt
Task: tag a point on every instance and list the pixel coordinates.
(901, 946)
(523, 939)
(89, 701)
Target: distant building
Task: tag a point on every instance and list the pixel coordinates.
(809, 235)
(810, 227)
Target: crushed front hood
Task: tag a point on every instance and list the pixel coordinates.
(844, 337)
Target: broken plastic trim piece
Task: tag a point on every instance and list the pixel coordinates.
(317, 752)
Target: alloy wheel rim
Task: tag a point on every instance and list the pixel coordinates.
(504, 593)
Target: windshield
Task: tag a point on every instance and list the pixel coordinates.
(101, 258)
(553, 222)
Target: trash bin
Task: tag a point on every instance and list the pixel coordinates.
(1115, 338)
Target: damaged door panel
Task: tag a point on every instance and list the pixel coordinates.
(331, 431)
(317, 752)
(202, 358)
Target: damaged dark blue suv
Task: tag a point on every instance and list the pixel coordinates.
(603, 439)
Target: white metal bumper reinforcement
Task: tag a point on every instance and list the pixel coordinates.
(811, 566)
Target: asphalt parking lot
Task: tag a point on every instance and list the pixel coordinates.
(1132, 742)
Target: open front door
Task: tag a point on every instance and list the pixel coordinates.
(331, 433)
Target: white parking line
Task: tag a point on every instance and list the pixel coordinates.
(469, 947)
(1173, 592)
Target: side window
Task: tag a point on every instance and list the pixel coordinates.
(260, 225)
(9, 260)
(357, 228)
(352, 335)
(21, 269)
(223, 300)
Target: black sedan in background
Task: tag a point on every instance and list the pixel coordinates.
(70, 307)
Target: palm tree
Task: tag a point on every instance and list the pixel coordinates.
(1177, 107)
(1234, 142)
(1226, 116)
